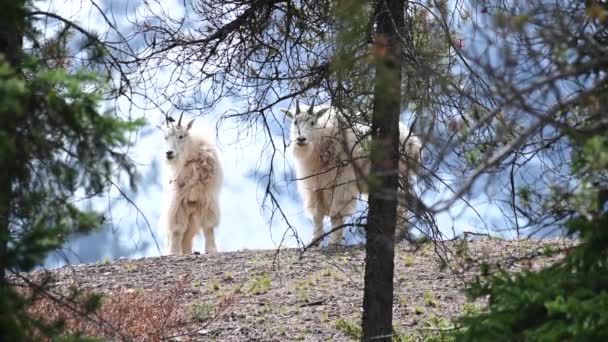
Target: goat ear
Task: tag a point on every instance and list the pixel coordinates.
(189, 125)
(288, 113)
(321, 112)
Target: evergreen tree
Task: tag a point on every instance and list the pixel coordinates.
(567, 301)
(56, 145)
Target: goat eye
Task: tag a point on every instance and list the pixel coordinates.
(181, 137)
(312, 123)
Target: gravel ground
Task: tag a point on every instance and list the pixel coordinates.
(266, 295)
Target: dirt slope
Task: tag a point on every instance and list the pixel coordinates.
(279, 296)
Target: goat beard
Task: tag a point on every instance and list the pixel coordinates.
(303, 151)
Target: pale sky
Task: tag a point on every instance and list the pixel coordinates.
(244, 223)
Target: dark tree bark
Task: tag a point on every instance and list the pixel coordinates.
(382, 217)
(11, 43)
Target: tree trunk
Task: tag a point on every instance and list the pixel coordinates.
(382, 217)
(11, 43)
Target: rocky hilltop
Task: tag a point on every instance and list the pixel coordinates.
(272, 295)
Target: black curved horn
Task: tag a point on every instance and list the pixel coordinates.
(179, 122)
(311, 106)
(168, 120)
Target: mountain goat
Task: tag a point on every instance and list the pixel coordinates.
(193, 187)
(329, 155)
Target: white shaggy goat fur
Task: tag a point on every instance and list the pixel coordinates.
(329, 156)
(193, 187)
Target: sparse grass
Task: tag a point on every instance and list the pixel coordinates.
(260, 284)
(105, 261)
(202, 311)
(228, 276)
(303, 294)
(215, 285)
(263, 310)
(436, 322)
(312, 280)
(550, 250)
(281, 331)
(406, 338)
(131, 267)
(259, 260)
(287, 257)
(462, 248)
(427, 249)
(429, 298)
(430, 335)
(325, 289)
(398, 336)
(330, 272)
(418, 310)
(409, 261)
(327, 272)
(403, 301)
(303, 287)
(349, 328)
(197, 283)
(470, 309)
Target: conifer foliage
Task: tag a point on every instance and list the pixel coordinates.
(567, 301)
(57, 146)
